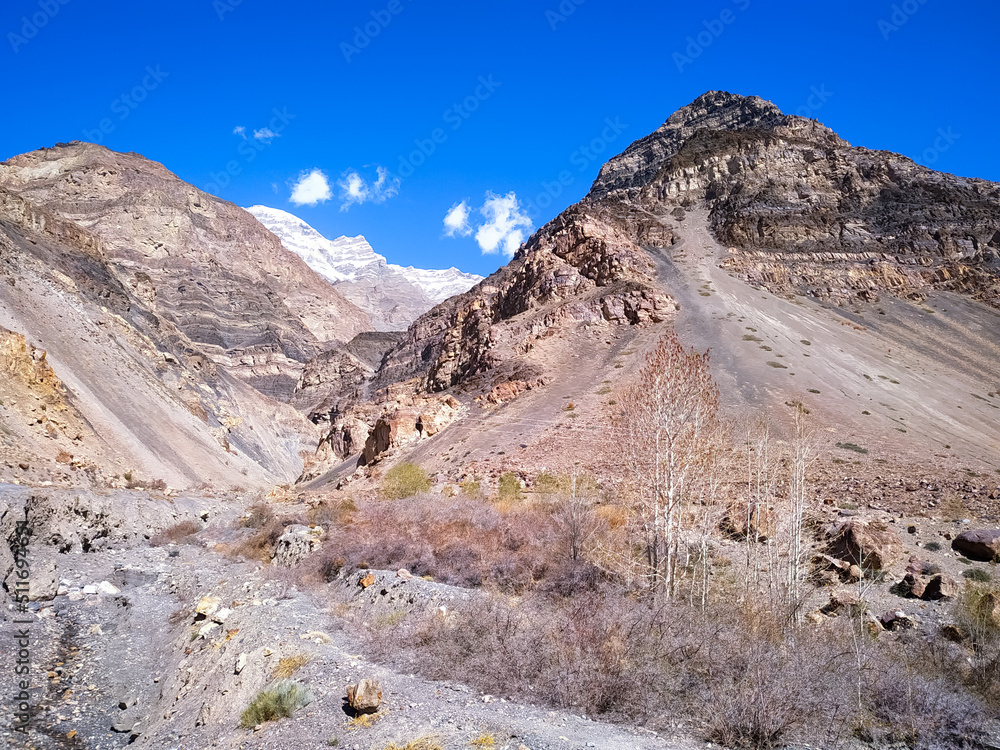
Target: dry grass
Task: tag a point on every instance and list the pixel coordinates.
(422, 743)
(179, 533)
(277, 702)
(364, 721)
(288, 666)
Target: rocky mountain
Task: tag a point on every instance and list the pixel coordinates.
(803, 210)
(893, 266)
(392, 295)
(175, 326)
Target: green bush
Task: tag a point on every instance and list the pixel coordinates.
(277, 702)
(404, 480)
(510, 487)
(852, 447)
(977, 574)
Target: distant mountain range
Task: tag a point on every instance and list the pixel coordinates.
(392, 295)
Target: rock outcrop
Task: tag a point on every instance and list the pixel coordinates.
(870, 545)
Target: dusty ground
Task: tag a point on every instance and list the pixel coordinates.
(134, 659)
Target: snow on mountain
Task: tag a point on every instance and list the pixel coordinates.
(439, 285)
(353, 259)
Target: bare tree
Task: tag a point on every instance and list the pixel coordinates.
(802, 455)
(669, 424)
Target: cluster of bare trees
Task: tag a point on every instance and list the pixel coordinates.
(690, 475)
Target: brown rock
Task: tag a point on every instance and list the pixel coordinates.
(940, 587)
(914, 585)
(896, 620)
(978, 544)
(953, 633)
(365, 697)
(841, 599)
(758, 525)
(367, 581)
(870, 545)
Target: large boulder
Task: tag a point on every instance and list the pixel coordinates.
(930, 588)
(978, 544)
(870, 545)
(365, 697)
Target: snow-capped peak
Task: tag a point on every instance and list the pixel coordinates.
(342, 259)
(353, 259)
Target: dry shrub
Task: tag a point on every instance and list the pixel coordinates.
(458, 540)
(576, 639)
(179, 533)
(737, 671)
(757, 689)
(977, 611)
(908, 708)
(260, 515)
(422, 743)
(330, 513)
(260, 545)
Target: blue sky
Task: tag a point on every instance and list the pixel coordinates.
(500, 97)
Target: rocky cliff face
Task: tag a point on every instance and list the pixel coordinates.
(176, 326)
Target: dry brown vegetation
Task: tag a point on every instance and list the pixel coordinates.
(629, 605)
(179, 533)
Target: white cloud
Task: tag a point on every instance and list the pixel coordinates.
(456, 221)
(356, 189)
(265, 134)
(240, 131)
(311, 188)
(506, 225)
